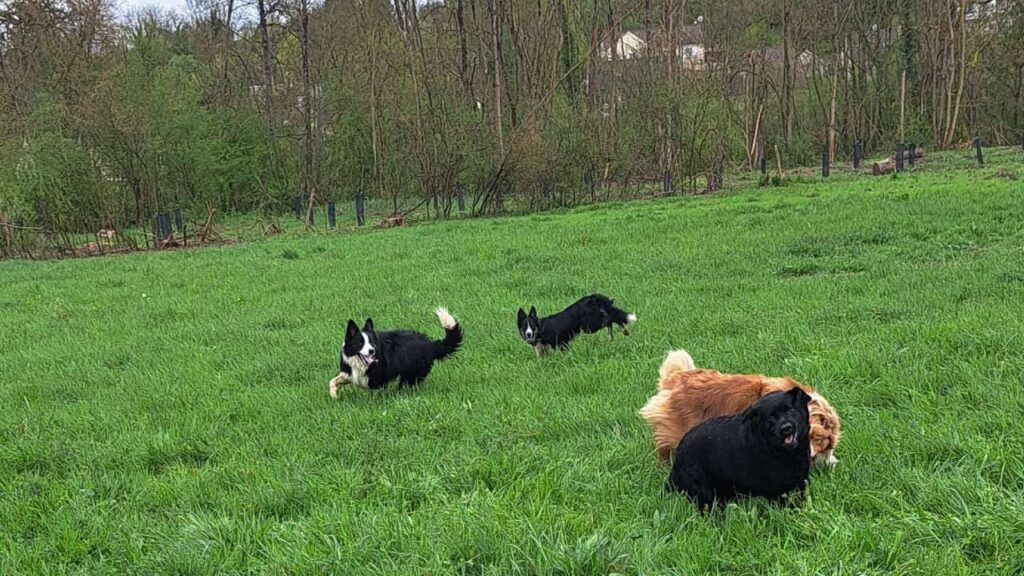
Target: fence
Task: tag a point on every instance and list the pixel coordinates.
(168, 229)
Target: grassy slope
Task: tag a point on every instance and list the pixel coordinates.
(168, 413)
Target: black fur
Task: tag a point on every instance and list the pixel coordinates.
(745, 454)
(403, 354)
(588, 314)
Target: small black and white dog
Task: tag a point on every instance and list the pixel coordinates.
(763, 451)
(371, 359)
(588, 314)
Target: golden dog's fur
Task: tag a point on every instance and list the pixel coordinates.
(688, 395)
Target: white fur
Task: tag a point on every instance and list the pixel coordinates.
(366, 349)
(630, 318)
(341, 378)
(821, 460)
(359, 368)
(655, 406)
(676, 361)
(447, 320)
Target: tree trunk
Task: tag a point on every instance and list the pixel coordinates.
(836, 63)
(263, 11)
(787, 90)
(467, 84)
(903, 103)
(308, 184)
(951, 129)
(227, 42)
(496, 47)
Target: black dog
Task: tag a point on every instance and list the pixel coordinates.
(764, 451)
(588, 314)
(371, 359)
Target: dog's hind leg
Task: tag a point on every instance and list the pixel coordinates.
(415, 377)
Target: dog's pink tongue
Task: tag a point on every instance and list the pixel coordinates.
(790, 440)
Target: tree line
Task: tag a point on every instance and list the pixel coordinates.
(241, 105)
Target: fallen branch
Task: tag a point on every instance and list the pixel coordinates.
(207, 232)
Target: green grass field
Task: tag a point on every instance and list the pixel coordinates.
(167, 413)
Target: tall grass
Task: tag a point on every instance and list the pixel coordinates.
(167, 413)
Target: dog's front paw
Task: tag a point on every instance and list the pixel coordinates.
(333, 386)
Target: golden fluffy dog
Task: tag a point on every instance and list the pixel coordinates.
(688, 395)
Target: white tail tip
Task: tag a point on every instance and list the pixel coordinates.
(631, 318)
(447, 320)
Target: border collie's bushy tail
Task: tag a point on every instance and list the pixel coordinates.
(452, 335)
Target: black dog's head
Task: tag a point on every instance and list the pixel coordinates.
(529, 326)
(360, 348)
(781, 419)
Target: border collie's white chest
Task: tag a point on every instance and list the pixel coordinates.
(358, 376)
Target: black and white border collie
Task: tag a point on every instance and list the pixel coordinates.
(588, 314)
(371, 359)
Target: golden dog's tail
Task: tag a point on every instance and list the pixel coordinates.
(676, 361)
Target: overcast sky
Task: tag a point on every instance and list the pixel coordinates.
(176, 5)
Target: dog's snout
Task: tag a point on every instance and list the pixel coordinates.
(787, 428)
(370, 352)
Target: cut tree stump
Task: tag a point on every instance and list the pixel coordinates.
(888, 166)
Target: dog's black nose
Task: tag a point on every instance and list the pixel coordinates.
(787, 428)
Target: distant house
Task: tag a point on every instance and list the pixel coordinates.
(630, 45)
(688, 46)
(979, 9)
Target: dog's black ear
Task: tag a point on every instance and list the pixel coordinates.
(351, 331)
(756, 417)
(368, 326)
(520, 316)
(533, 312)
(799, 397)
(752, 414)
